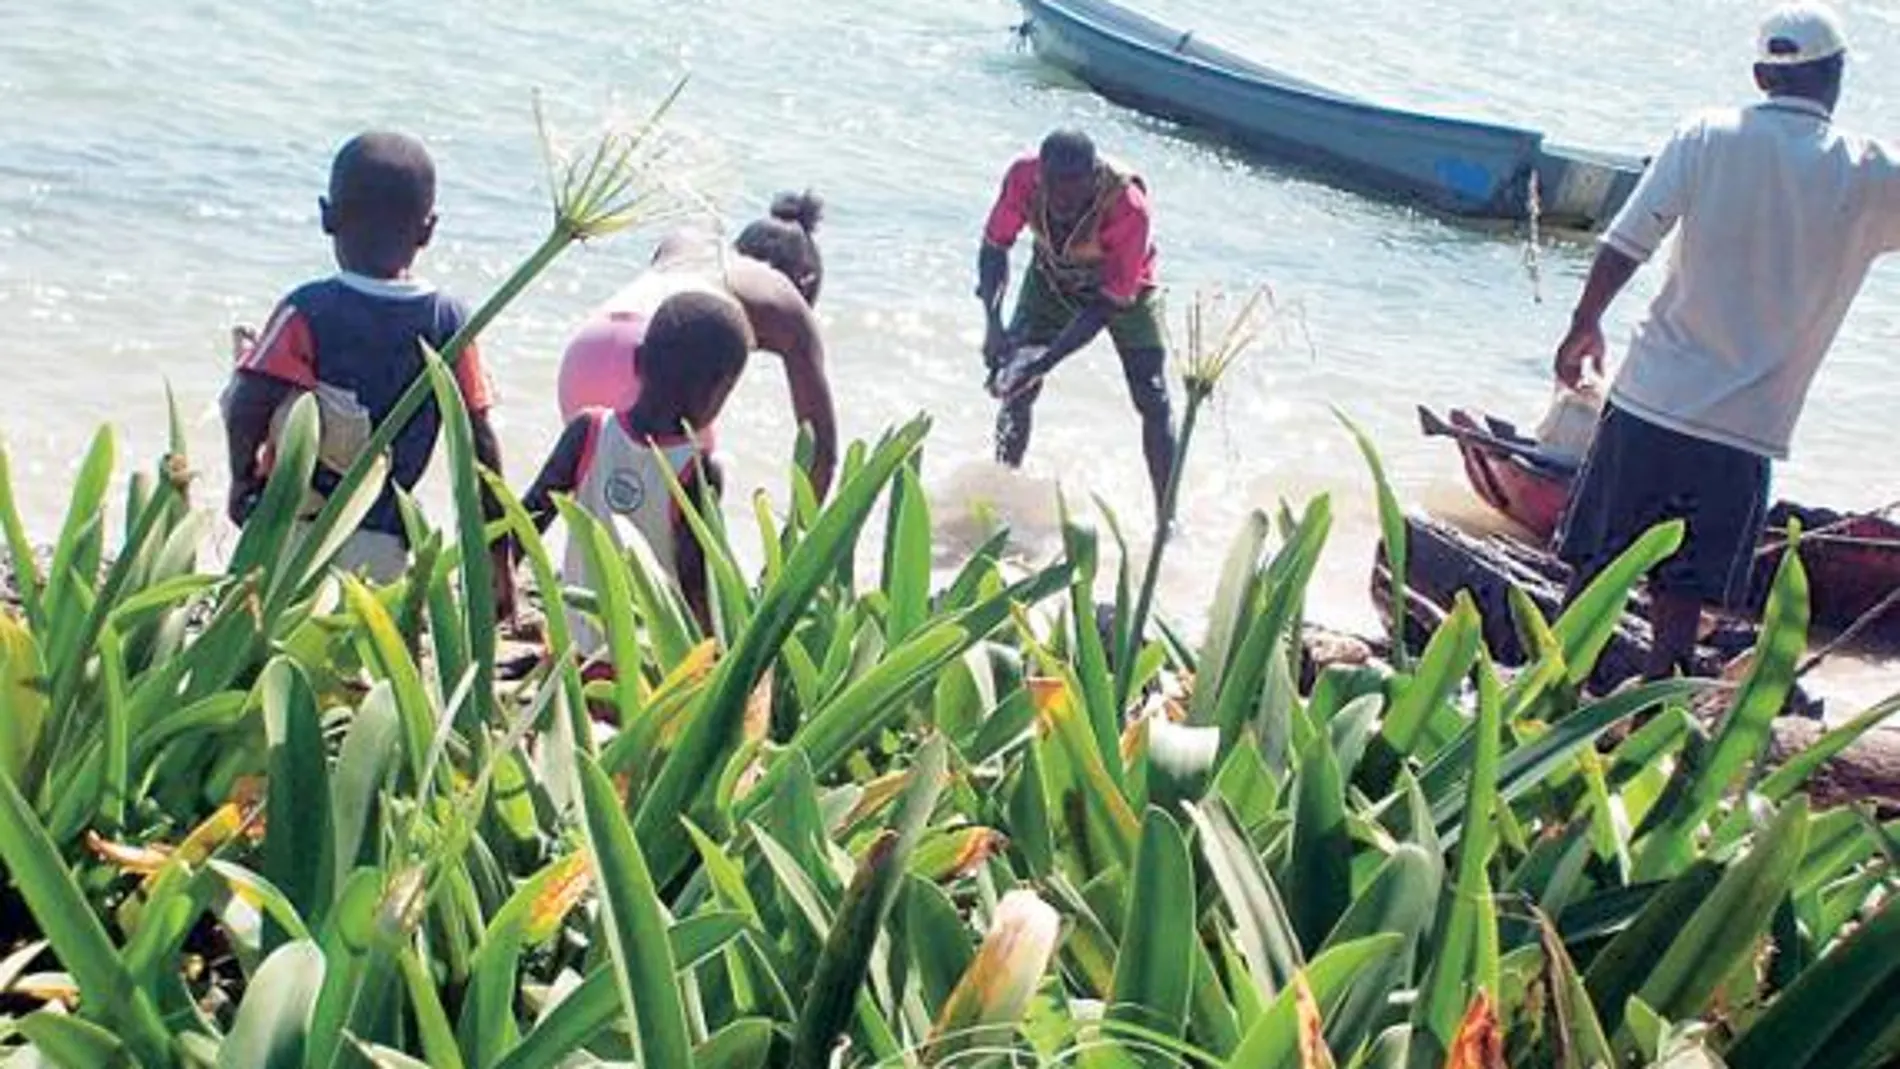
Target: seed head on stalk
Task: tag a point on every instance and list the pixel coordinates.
(1203, 365)
(626, 176)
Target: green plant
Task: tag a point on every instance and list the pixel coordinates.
(273, 816)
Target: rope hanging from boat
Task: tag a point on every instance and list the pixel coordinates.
(1534, 211)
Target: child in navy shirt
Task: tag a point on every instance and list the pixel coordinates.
(355, 340)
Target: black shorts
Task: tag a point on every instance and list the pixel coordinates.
(1639, 474)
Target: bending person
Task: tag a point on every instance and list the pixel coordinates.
(775, 279)
(1093, 268)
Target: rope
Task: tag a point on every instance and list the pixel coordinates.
(1853, 632)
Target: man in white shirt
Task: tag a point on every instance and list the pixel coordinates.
(1780, 217)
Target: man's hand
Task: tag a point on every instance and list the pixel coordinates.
(1583, 345)
(997, 345)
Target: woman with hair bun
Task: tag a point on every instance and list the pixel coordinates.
(785, 239)
(775, 279)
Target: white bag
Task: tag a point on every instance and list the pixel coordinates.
(1565, 432)
(344, 428)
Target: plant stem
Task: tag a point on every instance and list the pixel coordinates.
(1197, 395)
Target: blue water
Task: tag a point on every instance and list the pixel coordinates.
(160, 164)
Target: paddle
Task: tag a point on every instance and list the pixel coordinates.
(1434, 425)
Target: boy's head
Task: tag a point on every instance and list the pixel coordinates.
(381, 207)
(694, 348)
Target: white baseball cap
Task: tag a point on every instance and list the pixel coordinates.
(1798, 33)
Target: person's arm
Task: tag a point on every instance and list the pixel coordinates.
(783, 323)
(249, 403)
(1887, 199)
(1008, 215)
(1584, 344)
(1660, 200)
(1081, 330)
(992, 281)
(705, 486)
(270, 368)
(560, 473)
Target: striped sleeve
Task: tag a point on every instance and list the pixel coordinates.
(285, 350)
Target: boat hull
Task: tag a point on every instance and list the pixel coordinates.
(1452, 166)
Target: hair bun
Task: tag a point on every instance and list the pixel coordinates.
(805, 209)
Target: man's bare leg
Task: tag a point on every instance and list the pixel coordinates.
(1674, 620)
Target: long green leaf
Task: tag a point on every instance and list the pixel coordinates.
(937, 939)
(878, 697)
(1321, 873)
(22, 697)
(74, 1043)
(907, 575)
(299, 837)
(742, 1044)
(547, 584)
(1231, 614)
(1154, 966)
(1274, 1040)
(1392, 532)
(118, 732)
(1283, 591)
(268, 530)
(1589, 623)
(611, 586)
(1745, 732)
(67, 921)
(710, 737)
(1467, 925)
(1443, 666)
(1092, 671)
(706, 523)
(1837, 996)
(1267, 937)
(273, 1021)
(635, 925)
(20, 560)
(1794, 772)
(1726, 928)
(389, 654)
(82, 512)
(1528, 765)
(846, 958)
(478, 572)
(595, 1005)
(1401, 899)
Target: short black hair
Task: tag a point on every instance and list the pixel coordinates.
(786, 239)
(383, 179)
(1068, 152)
(1815, 80)
(695, 344)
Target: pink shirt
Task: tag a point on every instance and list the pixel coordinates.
(1128, 255)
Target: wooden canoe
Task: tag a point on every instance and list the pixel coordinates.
(1853, 560)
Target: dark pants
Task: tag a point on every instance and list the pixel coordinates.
(1041, 314)
(1639, 474)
